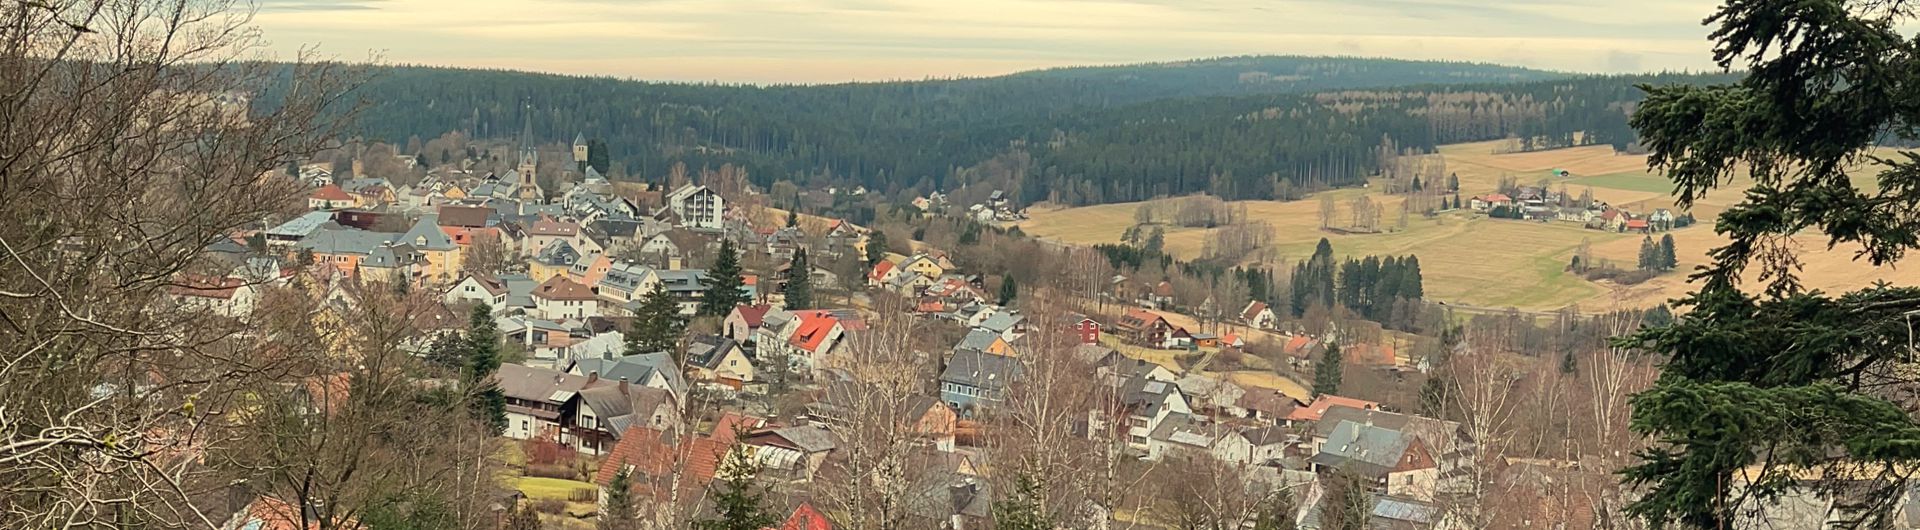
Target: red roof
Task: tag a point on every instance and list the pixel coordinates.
(1164, 289)
(806, 518)
(815, 326)
(753, 314)
(1636, 223)
(204, 287)
(560, 288)
(1253, 309)
(647, 450)
(548, 226)
(880, 270)
(331, 193)
(1313, 411)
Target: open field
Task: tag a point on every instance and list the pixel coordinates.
(1468, 259)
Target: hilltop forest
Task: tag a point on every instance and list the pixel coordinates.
(1239, 128)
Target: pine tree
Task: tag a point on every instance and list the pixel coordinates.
(876, 247)
(1156, 241)
(488, 404)
(618, 513)
(1024, 509)
(726, 288)
(1668, 260)
(657, 324)
(1009, 290)
(793, 217)
(739, 503)
(1649, 254)
(1326, 375)
(799, 289)
(1433, 397)
(1453, 184)
(597, 156)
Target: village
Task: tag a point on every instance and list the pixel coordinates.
(566, 286)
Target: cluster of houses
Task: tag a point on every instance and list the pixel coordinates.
(1538, 204)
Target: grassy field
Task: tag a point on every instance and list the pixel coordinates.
(1472, 260)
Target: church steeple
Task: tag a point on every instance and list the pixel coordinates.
(529, 159)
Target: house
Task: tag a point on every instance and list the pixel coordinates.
(1185, 434)
(983, 340)
(719, 359)
(925, 265)
(783, 242)
(1268, 444)
(607, 411)
(698, 207)
(297, 229)
(1161, 297)
(805, 517)
(882, 273)
(673, 247)
(441, 257)
(1661, 219)
(1144, 327)
(1637, 225)
(655, 370)
(1087, 330)
(1258, 315)
(271, 513)
(1400, 464)
(1445, 443)
(465, 223)
(1320, 404)
(546, 230)
(560, 297)
(1144, 403)
(1575, 214)
(974, 379)
(1009, 325)
(794, 453)
(930, 419)
(1491, 201)
(814, 335)
(591, 268)
(330, 197)
(1265, 405)
(232, 297)
(1614, 220)
(1205, 340)
(541, 403)
(556, 259)
(743, 323)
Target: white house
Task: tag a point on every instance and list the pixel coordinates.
(698, 207)
(478, 288)
(562, 298)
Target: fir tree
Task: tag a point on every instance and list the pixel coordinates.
(597, 156)
(524, 518)
(799, 289)
(1008, 290)
(1326, 375)
(793, 217)
(1156, 241)
(876, 247)
(657, 324)
(1649, 254)
(739, 503)
(618, 512)
(1024, 508)
(1668, 260)
(1433, 397)
(488, 404)
(1453, 184)
(726, 288)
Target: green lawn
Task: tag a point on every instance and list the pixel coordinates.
(1629, 180)
(549, 488)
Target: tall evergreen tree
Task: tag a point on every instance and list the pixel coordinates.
(876, 247)
(657, 325)
(726, 288)
(793, 216)
(1024, 508)
(597, 156)
(1327, 374)
(1763, 393)
(799, 289)
(1668, 259)
(483, 360)
(1156, 241)
(1649, 254)
(619, 512)
(1009, 289)
(739, 503)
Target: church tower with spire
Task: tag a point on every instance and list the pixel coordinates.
(527, 188)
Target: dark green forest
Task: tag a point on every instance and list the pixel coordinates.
(1236, 127)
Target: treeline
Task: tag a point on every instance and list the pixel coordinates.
(1084, 137)
(1388, 290)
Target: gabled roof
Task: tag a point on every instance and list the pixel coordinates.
(981, 370)
(559, 287)
(805, 517)
(708, 352)
(880, 270)
(978, 339)
(803, 438)
(638, 368)
(548, 226)
(342, 240)
(206, 287)
(753, 314)
(330, 193)
(558, 253)
(1001, 321)
(303, 225)
(426, 235)
(1495, 198)
(1313, 411)
(816, 325)
(538, 384)
(467, 216)
(1363, 448)
(1253, 310)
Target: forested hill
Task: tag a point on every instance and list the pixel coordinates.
(1267, 74)
(1079, 135)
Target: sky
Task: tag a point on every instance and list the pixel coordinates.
(825, 41)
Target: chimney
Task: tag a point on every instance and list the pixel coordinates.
(623, 385)
(593, 377)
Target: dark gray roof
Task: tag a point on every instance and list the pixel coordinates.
(558, 253)
(1002, 321)
(809, 438)
(707, 352)
(637, 369)
(538, 384)
(981, 370)
(343, 240)
(682, 280)
(619, 408)
(1362, 448)
(519, 289)
(978, 340)
(1145, 395)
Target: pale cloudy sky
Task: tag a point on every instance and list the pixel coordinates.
(813, 41)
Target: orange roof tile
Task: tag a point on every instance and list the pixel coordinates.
(331, 193)
(815, 326)
(1313, 411)
(561, 288)
(805, 517)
